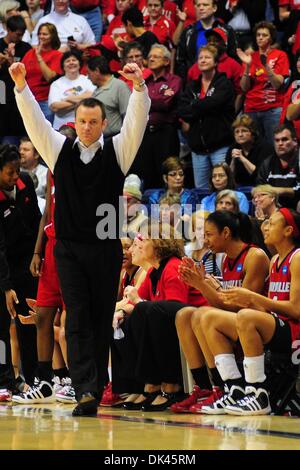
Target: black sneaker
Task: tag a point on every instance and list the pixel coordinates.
(41, 393)
(256, 402)
(219, 407)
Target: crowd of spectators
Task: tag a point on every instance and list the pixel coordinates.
(222, 135)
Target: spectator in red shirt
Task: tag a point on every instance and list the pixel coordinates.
(169, 9)
(159, 24)
(264, 74)
(43, 66)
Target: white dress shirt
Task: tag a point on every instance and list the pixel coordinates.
(49, 142)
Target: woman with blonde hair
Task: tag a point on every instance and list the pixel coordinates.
(227, 200)
(265, 200)
(7, 8)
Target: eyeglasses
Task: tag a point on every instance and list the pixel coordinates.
(242, 131)
(137, 56)
(260, 196)
(173, 174)
(153, 56)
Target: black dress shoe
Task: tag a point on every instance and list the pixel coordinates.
(171, 398)
(87, 405)
(149, 397)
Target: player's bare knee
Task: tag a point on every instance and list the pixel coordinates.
(244, 319)
(183, 316)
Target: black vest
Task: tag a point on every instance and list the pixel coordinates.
(81, 188)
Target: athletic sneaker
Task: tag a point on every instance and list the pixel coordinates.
(111, 399)
(256, 402)
(5, 395)
(40, 393)
(215, 394)
(219, 407)
(193, 399)
(57, 383)
(67, 393)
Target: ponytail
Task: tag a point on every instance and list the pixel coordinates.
(239, 224)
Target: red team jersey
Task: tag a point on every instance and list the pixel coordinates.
(279, 288)
(49, 228)
(233, 269)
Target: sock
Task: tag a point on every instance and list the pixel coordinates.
(45, 370)
(201, 377)
(239, 382)
(254, 368)
(216, 378)
(61, 373)
(227, 367)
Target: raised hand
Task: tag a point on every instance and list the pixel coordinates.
(132, 72)
(245, 58)
(181, 15)
(18, 73)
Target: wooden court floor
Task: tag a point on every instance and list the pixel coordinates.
(51, 427)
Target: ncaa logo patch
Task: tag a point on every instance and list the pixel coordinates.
(239, 267)
(284, 269)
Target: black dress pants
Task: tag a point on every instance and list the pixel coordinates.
(149, 351)
(89, 278)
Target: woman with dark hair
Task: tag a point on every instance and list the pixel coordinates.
(247, 152)
(173, 176)
(265, 72)
(151, 353)
(222, 178)
(291, 103)
(66, 92)
(43, 66)
(271, 322)
(231, 234)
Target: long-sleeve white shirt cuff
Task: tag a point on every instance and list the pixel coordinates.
(127, 143)
(45, 139)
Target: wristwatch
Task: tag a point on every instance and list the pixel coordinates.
(141, 84)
